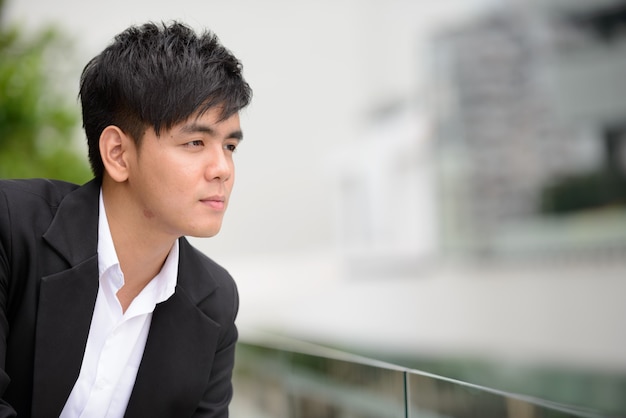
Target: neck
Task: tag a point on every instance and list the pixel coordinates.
(141, 249)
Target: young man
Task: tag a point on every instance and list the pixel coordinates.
(105, 309)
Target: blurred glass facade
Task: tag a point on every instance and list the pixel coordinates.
(530, 132)
(516, 150)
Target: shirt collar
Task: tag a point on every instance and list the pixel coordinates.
(107, 257)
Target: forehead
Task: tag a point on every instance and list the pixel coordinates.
(211, 122)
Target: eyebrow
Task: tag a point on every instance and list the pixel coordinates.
(206, 129)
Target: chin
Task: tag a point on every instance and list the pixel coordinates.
(205, 232)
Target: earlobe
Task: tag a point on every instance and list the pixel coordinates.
(113, 150)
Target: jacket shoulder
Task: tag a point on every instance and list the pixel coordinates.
(209, 285)
(31, 190)
(217, 272)
(26, 209)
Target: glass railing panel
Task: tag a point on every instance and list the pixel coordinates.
(291, 379)
(438, 397)
(326, 387)
(292, 384)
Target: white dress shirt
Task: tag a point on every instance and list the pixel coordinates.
(116, 340)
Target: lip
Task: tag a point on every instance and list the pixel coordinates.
(214, 202)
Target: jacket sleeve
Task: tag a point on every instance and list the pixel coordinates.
(5, 409)
(219, 391)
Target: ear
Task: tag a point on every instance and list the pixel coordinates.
(115, 147)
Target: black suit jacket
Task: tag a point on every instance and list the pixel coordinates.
(48, 288)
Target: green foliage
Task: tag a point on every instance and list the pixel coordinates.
(593, 190)
(37, 123)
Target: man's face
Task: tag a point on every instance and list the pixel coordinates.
(181, 180)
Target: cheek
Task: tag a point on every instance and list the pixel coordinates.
(173, 175)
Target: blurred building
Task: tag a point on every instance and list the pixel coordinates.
(531, 105)
(514, 152)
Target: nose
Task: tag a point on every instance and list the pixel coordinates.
(219, 166)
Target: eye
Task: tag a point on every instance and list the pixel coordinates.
(230, 147)
(194, 144)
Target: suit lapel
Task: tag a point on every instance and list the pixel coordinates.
(67, 299)
(65, 306)
(180, 348)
